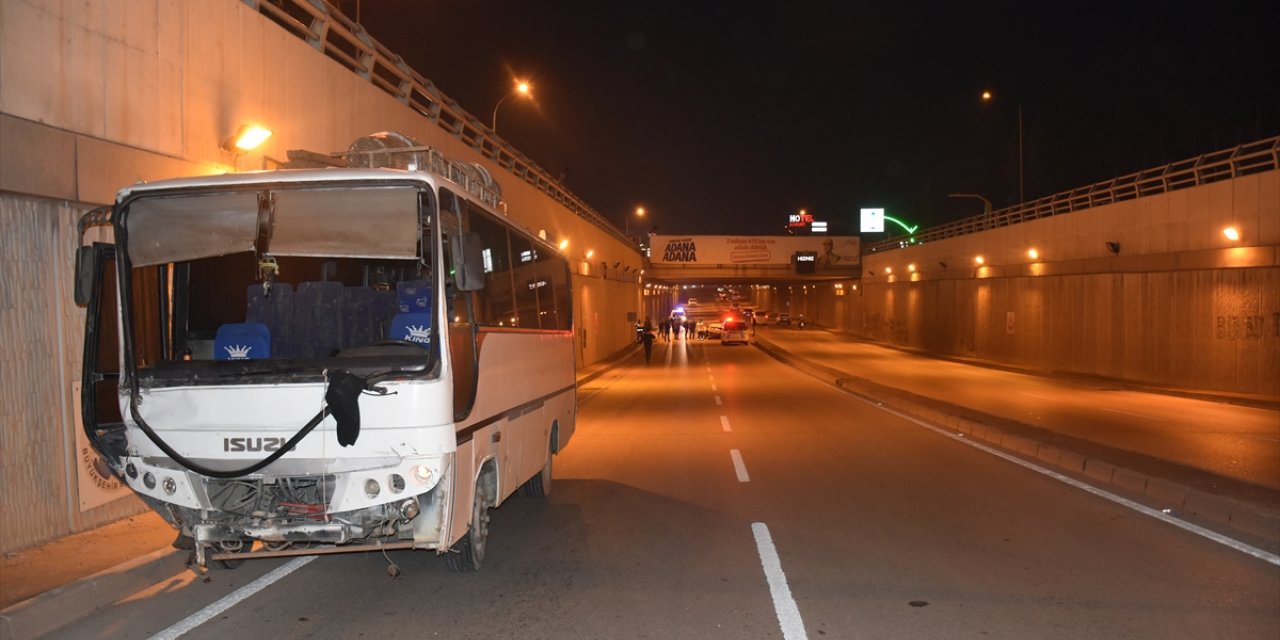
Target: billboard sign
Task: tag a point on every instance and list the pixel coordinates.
(832, 252)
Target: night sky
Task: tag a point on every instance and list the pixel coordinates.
(725, 117)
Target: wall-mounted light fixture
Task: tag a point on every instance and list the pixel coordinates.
(247, 138)
(979, 260)
(589, 253)
(1033, 254)
(1232, 234)
(888, 270)
(911, 267)
(564, 244)
(1113, 247)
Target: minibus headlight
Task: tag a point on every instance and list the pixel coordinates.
(409, 509)
(395, 483)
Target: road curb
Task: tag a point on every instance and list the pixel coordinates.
(1174, 498)
(604, 366)
(45, 613)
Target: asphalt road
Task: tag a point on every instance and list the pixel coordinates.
(1230, 440)
(683, 478)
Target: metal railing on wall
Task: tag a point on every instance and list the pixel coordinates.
(340, 38)
(1245, 159)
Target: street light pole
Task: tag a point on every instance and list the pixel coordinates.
(522, 88)
(986, 204)
(627, 221)
(987, 96)
(1021, 195)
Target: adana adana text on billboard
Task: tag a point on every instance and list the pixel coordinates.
(834, 252)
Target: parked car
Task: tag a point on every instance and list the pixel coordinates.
(783, 318)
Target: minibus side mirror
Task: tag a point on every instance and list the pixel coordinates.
(86, 274)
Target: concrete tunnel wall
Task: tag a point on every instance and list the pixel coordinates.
(1179, 306)
(99, 94)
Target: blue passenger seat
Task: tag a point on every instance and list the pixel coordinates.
(413, 322)
(242, 341)
(411, 327)
(414, 296)
(275, 310)
(317, 318)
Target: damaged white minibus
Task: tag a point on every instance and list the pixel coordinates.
(323, 360)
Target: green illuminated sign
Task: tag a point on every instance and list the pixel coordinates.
(909, 230)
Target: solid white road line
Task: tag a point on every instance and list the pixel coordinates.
(783, 604)
(231, 599)
(1260, 554)
(739, 467)
(1039, 397)
(1129, 413)
(724, 422)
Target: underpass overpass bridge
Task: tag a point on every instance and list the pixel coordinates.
(682, 260)
(775, 267)
(744, 274)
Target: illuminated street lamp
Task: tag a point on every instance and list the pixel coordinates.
(522, 89)
(247, 138)
(639, 213)
(986, 204)
(987, 96)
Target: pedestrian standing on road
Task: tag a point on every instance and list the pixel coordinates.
(753, 325)
(647, 337)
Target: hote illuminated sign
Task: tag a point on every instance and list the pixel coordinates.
(801, 219)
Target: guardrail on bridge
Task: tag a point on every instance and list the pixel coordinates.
(1245, 159)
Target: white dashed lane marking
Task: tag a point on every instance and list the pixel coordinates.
(739, 467)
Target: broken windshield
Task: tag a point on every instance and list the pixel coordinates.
(375, 222)
(279, 281)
